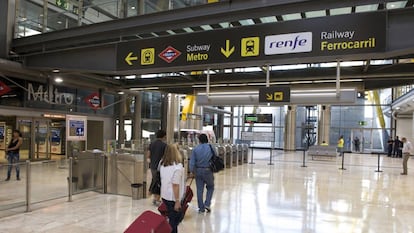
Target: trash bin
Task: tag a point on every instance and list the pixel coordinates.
(137, 192)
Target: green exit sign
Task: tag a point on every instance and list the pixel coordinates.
(362, 123)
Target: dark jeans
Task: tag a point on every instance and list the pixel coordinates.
(389, 150)
(174, 217)
(204, 177)
(13, 159)
(155, 187)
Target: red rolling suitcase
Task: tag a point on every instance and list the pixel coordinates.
(149, 222)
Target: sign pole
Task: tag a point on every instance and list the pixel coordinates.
(251, 156)
(272, 144)
(343, 157)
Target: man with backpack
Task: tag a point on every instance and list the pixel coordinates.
(200, 167)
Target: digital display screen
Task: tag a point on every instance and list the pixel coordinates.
(55, 135)
(258, 118)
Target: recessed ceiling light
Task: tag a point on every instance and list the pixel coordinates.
(133, 7)
(58, 80)
(56, 71)
(59, 22)
(121, 92)
(397, 108)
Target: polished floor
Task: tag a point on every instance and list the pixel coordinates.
(259, 198)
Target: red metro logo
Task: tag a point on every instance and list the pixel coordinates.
(4, 89)
(169, 54)
(93, 101)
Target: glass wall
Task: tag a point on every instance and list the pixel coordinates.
(34, 18)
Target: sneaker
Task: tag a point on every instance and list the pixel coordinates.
(201, 211)
(7, 179)
(403, 174)
(18, 178)
(208, 209)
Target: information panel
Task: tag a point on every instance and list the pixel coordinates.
(76, 128)
(258, 136)
(316, 37)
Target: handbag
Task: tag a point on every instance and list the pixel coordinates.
(216, 163)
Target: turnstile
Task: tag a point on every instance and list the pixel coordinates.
(229, 156)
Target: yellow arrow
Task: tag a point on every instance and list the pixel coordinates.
(129, 58)
(228, 51)
(269, 96)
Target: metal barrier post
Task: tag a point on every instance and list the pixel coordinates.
(343, 156)
(303, 160)
(104, 172)
(379, 169)
(70, 179)
(28, 186)
(271, 154)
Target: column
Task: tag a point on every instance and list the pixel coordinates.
(137, 131)
(172, 117)
(290, 128)
(324, 125)
(7, 21)
(232, 124)
(121, 127)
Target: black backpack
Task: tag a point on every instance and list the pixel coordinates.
(216, 163)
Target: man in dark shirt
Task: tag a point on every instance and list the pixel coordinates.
(155, 154)
(395, 148)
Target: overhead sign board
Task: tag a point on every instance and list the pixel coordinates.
(317, 37)
(274, 95)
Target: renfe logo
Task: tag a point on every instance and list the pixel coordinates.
(288, 43)
(169, 54)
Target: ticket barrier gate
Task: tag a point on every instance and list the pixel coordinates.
(186, 162)
(245, 153)
(240, 154)
(126, 171)
(235, 155)
(87, 172)
(229, 156)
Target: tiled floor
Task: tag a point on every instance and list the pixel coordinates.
(260, 198)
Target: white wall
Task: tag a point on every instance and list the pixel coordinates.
(405, 128)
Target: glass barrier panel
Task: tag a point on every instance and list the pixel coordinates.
(12, 192)
(49, 180)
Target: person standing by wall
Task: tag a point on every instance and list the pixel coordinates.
(13, 154)
(390, 146)
(200, 167)
(155, 153)
(395, 147)
(406, 152)
(172, 184)
(357, 144)
(340, 145)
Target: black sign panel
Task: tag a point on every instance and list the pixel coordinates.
(274, 95)
(258, 118)
(317, 37)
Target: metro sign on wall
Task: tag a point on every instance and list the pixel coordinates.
(4, 89)
(93, 101)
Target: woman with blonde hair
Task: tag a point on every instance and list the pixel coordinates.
(172, 184)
